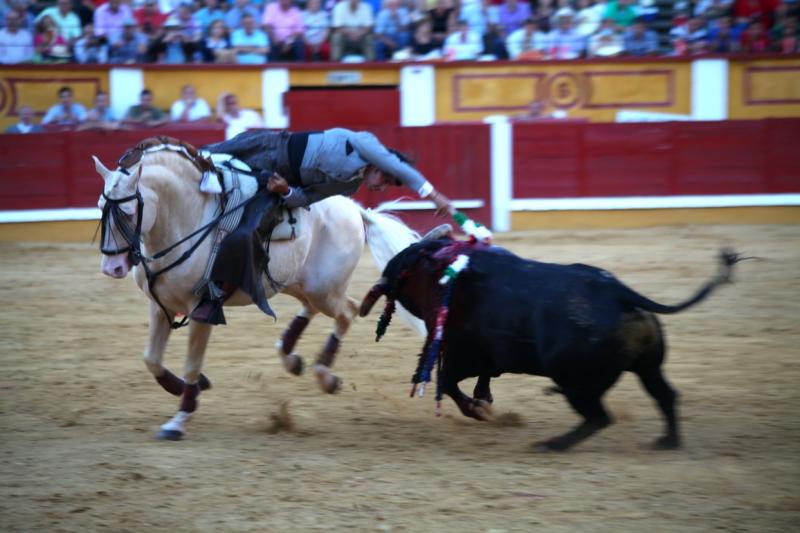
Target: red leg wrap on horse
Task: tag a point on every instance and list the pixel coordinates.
(328, 353)
(171, 383)
(189, 399)
(293, 332)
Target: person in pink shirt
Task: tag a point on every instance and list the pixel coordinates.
(284, 24)
(110, 18)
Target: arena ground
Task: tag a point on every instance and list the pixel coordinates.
(78, 411)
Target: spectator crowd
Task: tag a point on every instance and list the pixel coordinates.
(188, 109)
(261, 31)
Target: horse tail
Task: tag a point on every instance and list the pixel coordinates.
(387, 236)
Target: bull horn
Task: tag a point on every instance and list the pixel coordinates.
(377, 290)
(439, 232)
(101, 168)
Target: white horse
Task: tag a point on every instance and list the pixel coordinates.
(156, 202)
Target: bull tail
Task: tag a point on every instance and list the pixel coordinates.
(727, 259)
(386, 237)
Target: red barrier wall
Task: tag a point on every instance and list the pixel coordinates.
(354, 108)
(56, 170)
(554, 159)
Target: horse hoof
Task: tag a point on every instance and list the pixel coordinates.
(204, 383)
(293, 363)
(169, 434)
(328, 381)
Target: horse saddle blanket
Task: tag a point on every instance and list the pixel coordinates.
(233, 173)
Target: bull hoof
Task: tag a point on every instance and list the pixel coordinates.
(204, 383)
(482, 410)
(667, 442)
(293, 363)
(327, 380)
(550, 446)
(169, 434)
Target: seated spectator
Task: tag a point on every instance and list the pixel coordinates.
(688, 36)
(235, 118)
(67, 22)
(191, 30)
(26, 19)
(16, 43)
(189, 108)
(513, 14)
(90, 48)
(464, 44)
(545, 15)
(131, 47)
(754, 40)
(217, 46)
(418, 11)
(763, 10)
(527, 42)
(283, 22)
(789, 42)
(641, 41)
(423, 46)
(587, 18)
(25, 124)
(208, 14)
(352, 30)
(484, 19)
(100, 117)
(392, 30)
(144, 114)
(317, 24)
(623, 12)
(776, 33)
(565, 42)
(443, 20)
(66, 112)
(109, 19)
(176, 45)
(537, 110)
(150, 19)
(607, 42)
(250, 44)
(48, 45)
(712, 9)
(721, 37)
(233, 18)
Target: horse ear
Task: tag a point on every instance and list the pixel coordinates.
(101, 169)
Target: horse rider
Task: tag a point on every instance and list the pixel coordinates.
(306, 167)
(303, 168)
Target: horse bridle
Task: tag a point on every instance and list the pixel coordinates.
(131, 236)
(133, 240)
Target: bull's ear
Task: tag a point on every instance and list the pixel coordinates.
(372, 296)
(101, 168)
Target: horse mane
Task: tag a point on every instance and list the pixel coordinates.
(160, 147)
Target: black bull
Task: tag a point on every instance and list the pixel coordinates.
(576, 324)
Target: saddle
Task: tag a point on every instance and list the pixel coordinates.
(236, 183)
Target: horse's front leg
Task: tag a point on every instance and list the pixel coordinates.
(175, 428)
(159, 331)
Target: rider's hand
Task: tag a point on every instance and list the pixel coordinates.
(277, 184)
(443, 204)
